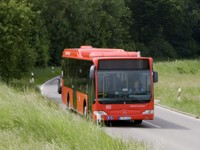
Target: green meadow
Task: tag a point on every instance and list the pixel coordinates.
(184, 74)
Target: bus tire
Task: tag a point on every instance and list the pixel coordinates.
(68, 102)
(137, 121)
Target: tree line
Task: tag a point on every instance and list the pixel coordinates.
(35, 32)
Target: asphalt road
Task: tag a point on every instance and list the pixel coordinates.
(169, 130)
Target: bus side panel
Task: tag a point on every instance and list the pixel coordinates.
(64, 95)
(81, 97)
(67, 95)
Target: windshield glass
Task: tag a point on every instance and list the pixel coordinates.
(120, 86)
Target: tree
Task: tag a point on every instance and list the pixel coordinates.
(72, 23)
(174, 23)
(18, 39)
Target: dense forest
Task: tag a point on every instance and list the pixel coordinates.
(33, 33)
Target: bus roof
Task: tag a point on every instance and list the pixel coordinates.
(88, 52)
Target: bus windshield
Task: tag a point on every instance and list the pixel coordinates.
(124, 86)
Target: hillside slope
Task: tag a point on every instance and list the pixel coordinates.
(28, 121)
(173, 75)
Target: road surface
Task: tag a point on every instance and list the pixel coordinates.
(169, 130)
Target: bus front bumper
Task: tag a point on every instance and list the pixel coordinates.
(103, 116)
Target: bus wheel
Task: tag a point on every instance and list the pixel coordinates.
(108, 123)
(68, 102)
(137, 121)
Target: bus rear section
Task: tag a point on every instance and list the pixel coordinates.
(124, 89)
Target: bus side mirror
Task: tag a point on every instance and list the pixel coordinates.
(92, 70)
(155, 76)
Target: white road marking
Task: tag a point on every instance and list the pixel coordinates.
(42, 86)
(183, 114)
(151, 124)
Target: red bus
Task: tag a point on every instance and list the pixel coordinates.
(108, 84)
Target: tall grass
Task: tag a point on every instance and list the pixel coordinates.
(28, 121)
(179, 74)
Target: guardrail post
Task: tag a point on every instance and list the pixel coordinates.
(52, 69)
(179, 94)
(32, 80)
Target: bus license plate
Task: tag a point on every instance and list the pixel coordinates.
(125, 118)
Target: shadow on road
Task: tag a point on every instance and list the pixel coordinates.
(168, 124)
(122, 124)
(158, 123)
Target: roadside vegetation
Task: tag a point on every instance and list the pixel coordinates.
(184, 74)
(34, 34)
(41, 75)
(29, 121)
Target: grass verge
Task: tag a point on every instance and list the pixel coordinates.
(29, 121)
(179, 74)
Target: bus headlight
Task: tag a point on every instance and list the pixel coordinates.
(99, 113)
(146, 112)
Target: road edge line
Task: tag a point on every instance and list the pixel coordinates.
(178, 111)
(41, 86)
